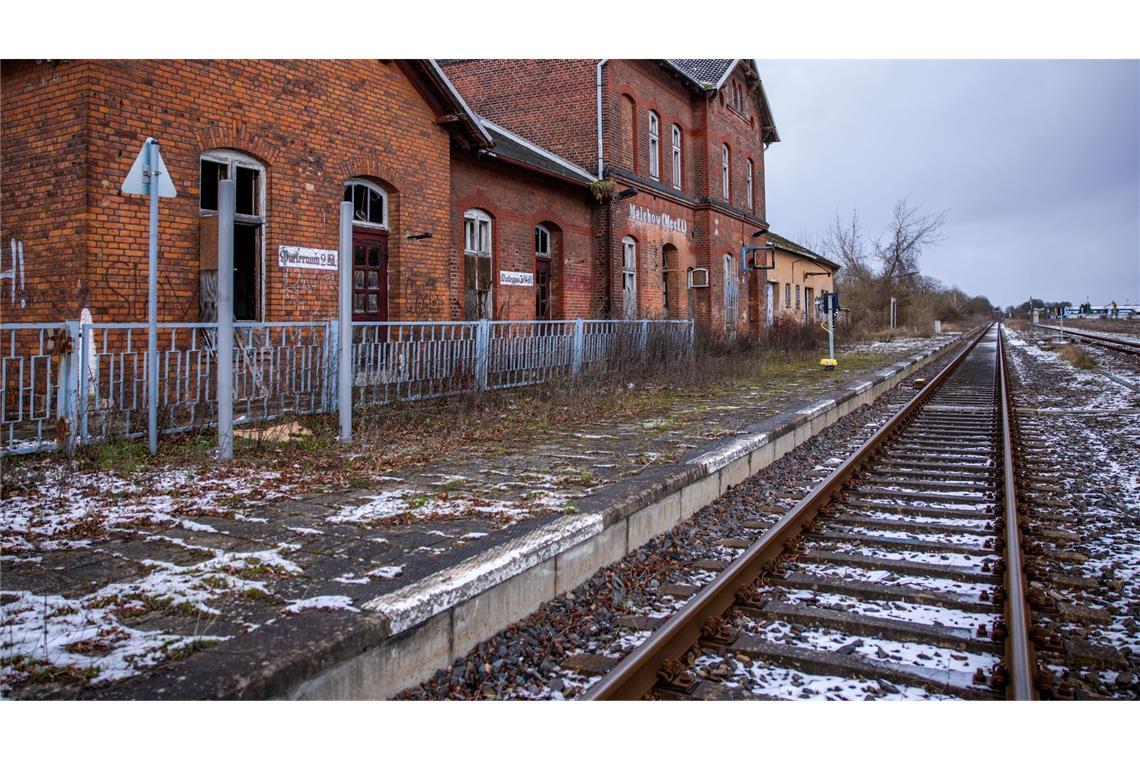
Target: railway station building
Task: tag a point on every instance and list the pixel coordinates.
(797, 282)
(525, 189)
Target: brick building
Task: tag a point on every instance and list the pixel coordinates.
(504, 189)
(680, 147)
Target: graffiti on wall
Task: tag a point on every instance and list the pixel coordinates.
(421, 297)
(15, 273)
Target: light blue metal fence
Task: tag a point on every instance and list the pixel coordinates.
(93, 376)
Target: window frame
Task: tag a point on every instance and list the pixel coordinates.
(748, 196)
(787, 295)
(654, 146)
(542, 229)
(725, 173)
(677, 157)
(480, 218)
(234, 159)
(370, 185)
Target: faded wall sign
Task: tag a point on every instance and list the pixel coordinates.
(525, 279)
(306, 258)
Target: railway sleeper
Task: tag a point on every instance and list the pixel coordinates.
(921, 510)
(892, 542)
(858, 624)
(870, 590)
(922, 496)
(963, 573)
(853, 666)
(986, 531)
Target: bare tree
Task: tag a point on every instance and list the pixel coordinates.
(910, 232)
(844, 243)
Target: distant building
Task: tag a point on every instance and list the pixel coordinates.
(798, 281)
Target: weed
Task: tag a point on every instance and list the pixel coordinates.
(1078, 357)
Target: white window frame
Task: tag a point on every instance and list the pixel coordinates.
(477, 227)
(233, 159)
(629, 275)
(654, 145)
(676, 157)
(748, 196)
(540, 231)
(731, 291)
(725, 157)
(383, 224)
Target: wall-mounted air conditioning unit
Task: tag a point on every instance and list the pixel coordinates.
(698, 278)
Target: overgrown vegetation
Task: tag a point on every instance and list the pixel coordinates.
(1078, 357)
(875, 271)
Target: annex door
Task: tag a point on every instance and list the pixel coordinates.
(369, 276)
(541, 288)
(772, 290)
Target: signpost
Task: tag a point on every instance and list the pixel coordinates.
(148, 176)
(830, 305)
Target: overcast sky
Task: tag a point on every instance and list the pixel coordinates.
(1036, 163)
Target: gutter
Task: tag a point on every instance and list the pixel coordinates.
(601, 160)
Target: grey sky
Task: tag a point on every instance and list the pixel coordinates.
(1037, 163)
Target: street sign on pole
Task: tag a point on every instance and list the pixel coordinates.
(148, 176)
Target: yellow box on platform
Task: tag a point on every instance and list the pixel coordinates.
(829, 363)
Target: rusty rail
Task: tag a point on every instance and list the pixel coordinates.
(635, 675)
(1019, 655)
(1115, 344)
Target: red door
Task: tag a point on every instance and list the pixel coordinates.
(369, 276)
(541, 288)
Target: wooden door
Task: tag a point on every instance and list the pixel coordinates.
(541, 288)
(369, 276)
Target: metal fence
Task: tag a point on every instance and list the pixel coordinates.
(88, 381)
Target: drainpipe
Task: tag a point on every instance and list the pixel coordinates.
(608, 300)
(601, 161)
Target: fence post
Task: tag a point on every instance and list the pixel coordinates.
(226, 206)
(69, 385)
(692, 338)
(643, 339)
(85, 347)
(344, 328)
(328, 367)
(482, 353)
(579, 346)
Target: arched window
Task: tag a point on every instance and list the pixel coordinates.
(654, 145)
(248, 175)
(541, 241)
(543, 276)
(477, 232)
(676, 157)
(369, 203)
(748, 185)
(724, 173)
(629, 278)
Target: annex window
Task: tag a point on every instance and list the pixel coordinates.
(477, 233)
(654, 145)
(541, 242)
(787, 295)
(676, 157)
(748, 185)
(369, 203)
(797, 296)
(249, 220)
(724, 173)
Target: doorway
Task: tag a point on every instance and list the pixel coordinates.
(541, 288)
(369, 276)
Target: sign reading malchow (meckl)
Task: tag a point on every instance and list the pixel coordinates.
(516, 278)
(306, 258)
(639, 214)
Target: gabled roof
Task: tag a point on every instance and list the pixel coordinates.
(710, 74)
(450, 108)
(784, 244)
(517, 149)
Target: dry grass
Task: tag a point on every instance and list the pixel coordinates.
(1078, 357)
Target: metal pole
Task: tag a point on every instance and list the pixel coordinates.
(152, 301)
(831, 330)
(344, 314)
(226, 195)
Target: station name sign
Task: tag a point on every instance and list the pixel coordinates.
(306, 258)
(639, 214)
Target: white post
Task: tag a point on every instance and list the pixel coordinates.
(579, 345)
(344, 315)
(831, 330)
(226, 195)
(152, 300)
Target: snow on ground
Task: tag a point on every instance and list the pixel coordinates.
(66, 505)
(330, 602)
(1100, 391)
(892, 346)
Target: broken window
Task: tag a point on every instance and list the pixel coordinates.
(477, 269)
(369, 202)
(249, 221)
(629, 278)
(541, 242)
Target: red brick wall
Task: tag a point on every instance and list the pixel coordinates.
(742, 133)
(552, 103)
(517, 200)
(43, 148)
(311, 123)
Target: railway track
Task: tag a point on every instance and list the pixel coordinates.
(901, 572)
(1121, 346)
